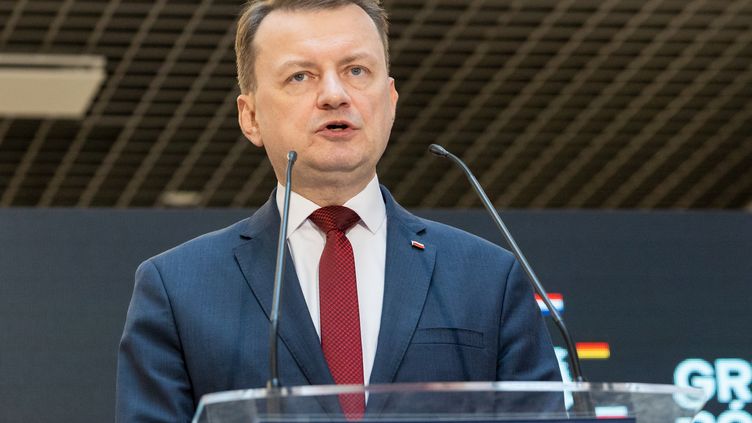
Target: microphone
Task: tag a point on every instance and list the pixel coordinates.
(279, 271)
(574, 358)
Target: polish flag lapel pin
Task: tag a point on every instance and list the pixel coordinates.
(417, 245)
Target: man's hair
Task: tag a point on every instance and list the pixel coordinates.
(256, 10)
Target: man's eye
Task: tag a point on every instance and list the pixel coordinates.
(357, 71)
(298, 77)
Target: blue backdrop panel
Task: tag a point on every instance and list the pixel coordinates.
(669, 292)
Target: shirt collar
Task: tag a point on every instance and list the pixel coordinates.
(368, 204)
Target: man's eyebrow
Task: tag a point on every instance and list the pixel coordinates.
(302, 63)
(357, 57)
(296, 63)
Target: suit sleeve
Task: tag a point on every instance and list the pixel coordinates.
(152, 381)
(525, 349)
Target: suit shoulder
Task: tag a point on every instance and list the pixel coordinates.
(461, 241)
(205, 245)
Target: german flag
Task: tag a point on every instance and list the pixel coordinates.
(593, 350)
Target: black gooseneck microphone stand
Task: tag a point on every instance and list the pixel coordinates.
(272, 384)
(574, 358)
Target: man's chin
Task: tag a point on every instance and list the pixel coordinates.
(340, 166)
(338, 173)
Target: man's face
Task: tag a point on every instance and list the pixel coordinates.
(322, 89)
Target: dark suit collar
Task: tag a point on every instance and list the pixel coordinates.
(397, 214)
(407, 277)
(256, 259)
(259, 222)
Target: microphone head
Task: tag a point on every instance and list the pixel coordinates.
(291, 156)
(438, 150)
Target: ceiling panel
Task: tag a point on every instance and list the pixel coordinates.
(554, 103)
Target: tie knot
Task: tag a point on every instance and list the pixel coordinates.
(334, 217)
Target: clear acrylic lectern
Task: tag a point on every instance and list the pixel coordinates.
(522, 402)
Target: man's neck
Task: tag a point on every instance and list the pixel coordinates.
(331, 194)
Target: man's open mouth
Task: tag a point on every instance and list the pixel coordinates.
(337, 126)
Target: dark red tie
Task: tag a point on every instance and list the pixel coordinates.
(338, 300)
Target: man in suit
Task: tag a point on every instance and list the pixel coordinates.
(384, 297)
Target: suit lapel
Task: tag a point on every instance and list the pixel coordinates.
(257, 261)
(407, 277)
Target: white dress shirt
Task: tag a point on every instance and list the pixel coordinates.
(368, 238)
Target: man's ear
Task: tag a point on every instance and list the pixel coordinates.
(393, 96)
(247, 119)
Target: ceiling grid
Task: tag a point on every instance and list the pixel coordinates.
(260, 174)
(136, 183)
(620, 166)
(178, 178)
(735, 191)
(119, 152)
(589, 121)
(514, 112)
(619, 122)
(542, 164)
(667, 148)
(220, 176)
(95, 117)
(554, 103)
(11, 20)
(695, 165)
(709, 183)
(54, 27)
(483, 145)
(675, 144)
(428, 116)
(21, 173)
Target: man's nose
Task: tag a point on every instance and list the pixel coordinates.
(332, 93)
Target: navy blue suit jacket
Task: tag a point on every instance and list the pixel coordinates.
(458, 310)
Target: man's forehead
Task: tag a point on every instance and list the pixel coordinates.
(308, 24)
(314, 13)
